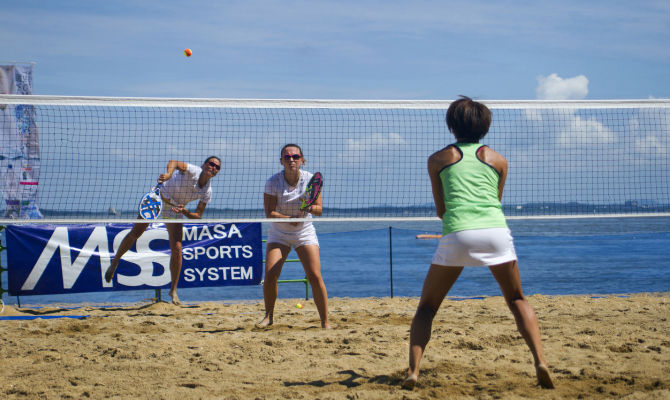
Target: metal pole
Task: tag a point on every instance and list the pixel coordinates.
(2, 269)
(391, 257)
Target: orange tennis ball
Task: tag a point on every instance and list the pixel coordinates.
(188, 52)
(298, 305)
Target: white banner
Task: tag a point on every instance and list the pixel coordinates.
(19, 145)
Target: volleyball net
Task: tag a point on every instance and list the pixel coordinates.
(90, 159)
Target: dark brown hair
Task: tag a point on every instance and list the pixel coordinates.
(210, 157)
(468, 120)
(281, 153)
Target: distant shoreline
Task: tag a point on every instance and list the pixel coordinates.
(424, 210)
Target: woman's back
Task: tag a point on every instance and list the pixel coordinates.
(470, 177)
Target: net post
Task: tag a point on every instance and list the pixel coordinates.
(391, 257)
(2, 269)
(158, 296)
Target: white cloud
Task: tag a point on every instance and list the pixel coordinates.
(650, 129)
(651, 146)
(369, 148)
(588, 132)
(553, 87)
(375, 142)
(556, 115)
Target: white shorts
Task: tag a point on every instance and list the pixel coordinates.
(295, 239)
(475, 248)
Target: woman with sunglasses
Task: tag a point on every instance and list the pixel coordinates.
(189, 183)
(282, 199)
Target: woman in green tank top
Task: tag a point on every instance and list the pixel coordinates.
(467, 181)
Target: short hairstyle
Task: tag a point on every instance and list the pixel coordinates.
(281, 153)
(214, 157)
(468, 120)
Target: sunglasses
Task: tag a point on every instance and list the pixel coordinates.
(295, 157)
(215, 165)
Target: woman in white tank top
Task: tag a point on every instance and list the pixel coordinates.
(283, 192)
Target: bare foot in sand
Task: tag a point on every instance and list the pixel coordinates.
(175, 298)
(543, 377)
(109, 274)
(267, 321)
(409, 382)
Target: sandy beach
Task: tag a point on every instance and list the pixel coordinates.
(598, 347)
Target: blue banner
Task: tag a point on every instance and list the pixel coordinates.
(48, 259)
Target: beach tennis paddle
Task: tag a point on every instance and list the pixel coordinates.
(312, 191)
(151, 203)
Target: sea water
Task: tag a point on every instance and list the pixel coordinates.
(374, 259)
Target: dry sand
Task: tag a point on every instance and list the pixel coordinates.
(597, 347)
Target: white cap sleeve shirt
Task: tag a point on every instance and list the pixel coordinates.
(182, 187)
(289, 199)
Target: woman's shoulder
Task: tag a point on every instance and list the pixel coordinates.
(448, 149)
(306, 174)
(274, 181)
(445, 156)
(276, 176)
(487, 154)
(193, 169)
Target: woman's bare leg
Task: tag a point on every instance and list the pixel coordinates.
(436, 285)
(175, 232)
(509, 279)
(127, 242)
(311, 263)
(275, 255)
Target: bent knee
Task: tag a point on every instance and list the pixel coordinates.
(517, 302)
(426, 311)
(272, 275)
(313, 277)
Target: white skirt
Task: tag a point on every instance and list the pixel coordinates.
(475, 248)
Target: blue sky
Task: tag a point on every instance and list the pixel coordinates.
(505, 50)
(343, 49)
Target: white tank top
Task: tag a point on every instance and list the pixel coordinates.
(288, 198)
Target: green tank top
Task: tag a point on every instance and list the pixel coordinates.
(470, 193)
